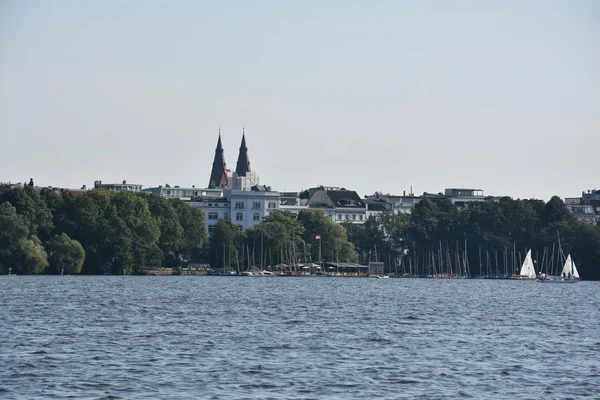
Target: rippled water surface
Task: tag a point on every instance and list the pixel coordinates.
(297, 338)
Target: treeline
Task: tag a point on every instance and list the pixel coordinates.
(99, 232)
(490, 227)
(102, 232)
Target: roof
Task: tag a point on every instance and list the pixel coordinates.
(243, 163)
(337, 196)
(218, 177)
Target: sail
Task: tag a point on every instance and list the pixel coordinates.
(527, 269)
(569, 268)
(575, 272)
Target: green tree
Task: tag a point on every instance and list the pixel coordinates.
(191, 220)
(33, 257)
(32, 208)
(65, 254)
(171, 232)
(225, 246)
(281, 236)
(334, 240)
(13, 230)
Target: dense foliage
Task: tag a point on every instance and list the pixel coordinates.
(493, 230)
(99, 232)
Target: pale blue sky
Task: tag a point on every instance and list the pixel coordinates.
(369, 95)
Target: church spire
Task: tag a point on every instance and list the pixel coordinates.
(218, 176)
(243, 163)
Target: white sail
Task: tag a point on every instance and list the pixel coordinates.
(569, 268)
(527, 269)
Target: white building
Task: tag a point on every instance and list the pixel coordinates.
(585, 208)
(244, 208)
(339, 204)
(182, 193)
(400, 204)
(118, 187)
(291, 202)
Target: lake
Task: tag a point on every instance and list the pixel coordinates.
(177, 337)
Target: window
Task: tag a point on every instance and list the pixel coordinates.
(354, 216)
(239, 216)
(272, 204)
(226, 216)
(346, 217)
(256, 217)
(211, 228)
(256, 204)
(239, 204)
(339, 217)
(360, 217)
(347, 202)
(168, 192)
(213, 216)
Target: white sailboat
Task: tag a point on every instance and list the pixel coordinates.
(569, 269)
(527, 269)
(569, 274)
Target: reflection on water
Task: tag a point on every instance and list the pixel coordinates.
(284, 338)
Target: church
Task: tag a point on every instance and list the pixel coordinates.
(238, 196)
(243, 178)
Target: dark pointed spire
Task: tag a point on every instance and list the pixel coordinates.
(218, 176)
(243, 163)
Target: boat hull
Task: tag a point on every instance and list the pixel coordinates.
(557, 280)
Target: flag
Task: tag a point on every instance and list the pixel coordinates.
(318, 237)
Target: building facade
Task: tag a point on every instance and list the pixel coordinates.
(585, 208)
(118, 187)
(244, 208)
(182, 193)
(339, 204)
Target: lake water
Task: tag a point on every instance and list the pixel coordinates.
(296, 338)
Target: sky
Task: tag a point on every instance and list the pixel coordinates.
(502, 96)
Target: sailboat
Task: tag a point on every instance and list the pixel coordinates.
(527, 269)
(569, 274)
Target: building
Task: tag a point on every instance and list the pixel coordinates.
(399, 204)
(376, 207)
(405, 203)
(292, 202)
(244, 208)
(339, 204)
(461, 197)
(585, 208)
(118, 187)
(182, 193)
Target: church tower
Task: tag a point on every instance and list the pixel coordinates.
(243, 163)
(218, 175)
(243, 178)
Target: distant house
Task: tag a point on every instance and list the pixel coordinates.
(118, 187)
(340, 204)
(405, 203)
(585, 208)
(291, 202)
(182, 193)
(376, 207)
